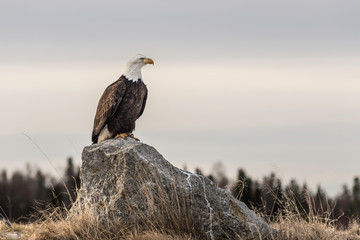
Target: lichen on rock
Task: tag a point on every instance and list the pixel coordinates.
(133, 183)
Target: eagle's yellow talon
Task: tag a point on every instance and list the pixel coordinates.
(124, 135)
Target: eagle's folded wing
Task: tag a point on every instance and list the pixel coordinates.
(107, 106)
(143, 104)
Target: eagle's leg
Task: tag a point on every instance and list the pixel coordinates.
(124, 135)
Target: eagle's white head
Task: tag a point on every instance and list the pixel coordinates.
(133, 67)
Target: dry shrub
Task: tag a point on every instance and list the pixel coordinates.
(87, 225)
(316, 224)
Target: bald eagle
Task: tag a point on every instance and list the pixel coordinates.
(122, 103)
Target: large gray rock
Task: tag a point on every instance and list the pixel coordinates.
(132, 182)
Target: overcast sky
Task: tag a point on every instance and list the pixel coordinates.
(262, 85)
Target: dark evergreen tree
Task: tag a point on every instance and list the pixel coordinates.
(320, 201)
(343, 207)
(243, 188)
(278, 203)
(305, 198)
(257, 201)
(40, 186)
(356, 197)
(198, 171)
(212, 178)
(70, 171)
(4, 193)
(219, 173)
(268, 193)
(293, 192)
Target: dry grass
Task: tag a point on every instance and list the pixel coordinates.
(172, 222)
(293, 224)
(167, 217)
(87, 226)
(56, 225)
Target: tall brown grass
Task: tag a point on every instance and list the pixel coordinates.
(171, 220)
(312, 224)
(82, 222)
(166, 216)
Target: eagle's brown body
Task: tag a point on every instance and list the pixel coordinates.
(121, 104)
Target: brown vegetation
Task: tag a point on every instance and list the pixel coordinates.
(291, 223)
(299, 217)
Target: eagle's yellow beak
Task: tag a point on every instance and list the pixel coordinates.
(148, 61)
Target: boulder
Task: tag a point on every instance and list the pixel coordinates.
(133, 183)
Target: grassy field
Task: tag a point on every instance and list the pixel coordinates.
(55, 225)
(86, 227)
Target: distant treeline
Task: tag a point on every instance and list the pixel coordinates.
(270, 197)
(25, 193)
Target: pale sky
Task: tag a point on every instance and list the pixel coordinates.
(265, 86)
